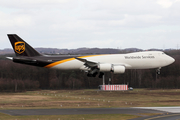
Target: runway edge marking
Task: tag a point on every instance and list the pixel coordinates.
(161, 116)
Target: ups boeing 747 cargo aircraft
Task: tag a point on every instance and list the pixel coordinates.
(93, 64)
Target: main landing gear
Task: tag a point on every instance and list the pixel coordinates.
(95, 73)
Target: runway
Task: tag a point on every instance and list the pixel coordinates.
(165, 109)
(167, 113)
(73, 111)
(170, 113)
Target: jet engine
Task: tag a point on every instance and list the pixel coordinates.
(110, 67)
(118, 69)
(105, 67)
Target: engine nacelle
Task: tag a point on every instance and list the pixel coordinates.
(110, 67)
(105, 67)
(118, 69)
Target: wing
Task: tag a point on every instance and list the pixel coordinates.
(88, 63)
(92, 66)
(96, 67)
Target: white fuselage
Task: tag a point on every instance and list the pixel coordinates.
(137, 60)
(94, 64)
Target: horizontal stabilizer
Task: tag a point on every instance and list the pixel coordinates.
(10, 58)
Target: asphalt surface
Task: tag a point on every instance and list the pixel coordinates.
(161, 117)
(167, 113)
(165, 109)
(170, 113)
(132, 111)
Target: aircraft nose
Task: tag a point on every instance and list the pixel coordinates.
(171, 60)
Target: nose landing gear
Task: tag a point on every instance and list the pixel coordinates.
(158, 71)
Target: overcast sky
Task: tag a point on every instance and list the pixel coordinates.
(72, 24)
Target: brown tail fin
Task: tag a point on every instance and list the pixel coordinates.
(21, 48)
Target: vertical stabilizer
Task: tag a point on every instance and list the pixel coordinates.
(21, 48)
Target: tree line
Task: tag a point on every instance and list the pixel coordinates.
(18, 77)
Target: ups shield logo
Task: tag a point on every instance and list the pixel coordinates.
(19, 47)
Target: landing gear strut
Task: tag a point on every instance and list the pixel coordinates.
(93, 73)
(158, 71)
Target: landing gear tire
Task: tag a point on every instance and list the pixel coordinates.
(101, 74)
(92, 75)
(89, 75)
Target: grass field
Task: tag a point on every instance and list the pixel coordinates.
(46, 99)
(69, 117)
